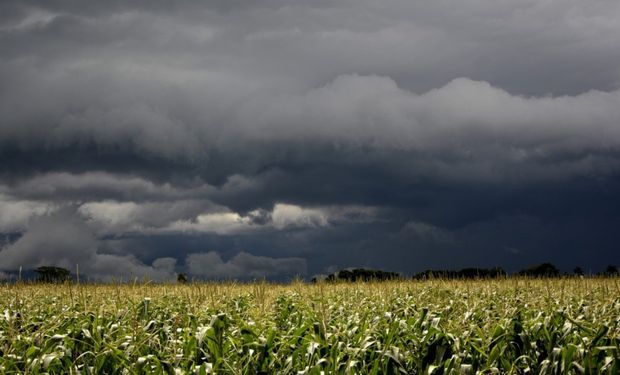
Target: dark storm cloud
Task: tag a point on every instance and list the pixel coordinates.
(309, 135)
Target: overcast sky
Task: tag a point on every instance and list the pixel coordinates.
(274, 138)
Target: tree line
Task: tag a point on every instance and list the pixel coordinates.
(51, 274)
(541, 270)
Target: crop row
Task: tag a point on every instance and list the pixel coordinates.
(432, 327)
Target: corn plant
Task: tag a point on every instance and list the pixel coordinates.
(513, 326)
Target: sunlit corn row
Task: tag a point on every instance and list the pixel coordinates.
(432, 327)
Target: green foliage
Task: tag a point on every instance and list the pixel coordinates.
(517, 326)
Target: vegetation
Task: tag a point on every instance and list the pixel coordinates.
(181, 278)
(412, 327)
(465, 273)
(360, 274)
(541, 270)
(49, 274)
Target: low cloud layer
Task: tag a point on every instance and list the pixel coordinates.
(288, 137)
(63, 240)
(75, 238)
(243, 266)
(15, 215)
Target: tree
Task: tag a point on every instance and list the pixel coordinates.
(540, 270)
(48, 274)
(181, 278)
(465, 273)
(611, 270)
(361, 274)
(578, 271)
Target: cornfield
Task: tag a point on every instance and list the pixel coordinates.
(511, 326)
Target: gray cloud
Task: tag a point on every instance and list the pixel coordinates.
(63, 240)
(466, 130)
(16, 214)
(177, 86)
(338, 131)
(97, 185)
(244, 266)
(426, 232)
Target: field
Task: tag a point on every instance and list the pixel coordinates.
(413, 327)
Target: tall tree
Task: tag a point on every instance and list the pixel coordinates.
(48, 274)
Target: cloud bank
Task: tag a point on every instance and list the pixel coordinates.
(243, 266)
(279, 138)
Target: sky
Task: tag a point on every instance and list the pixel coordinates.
(281, 138)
